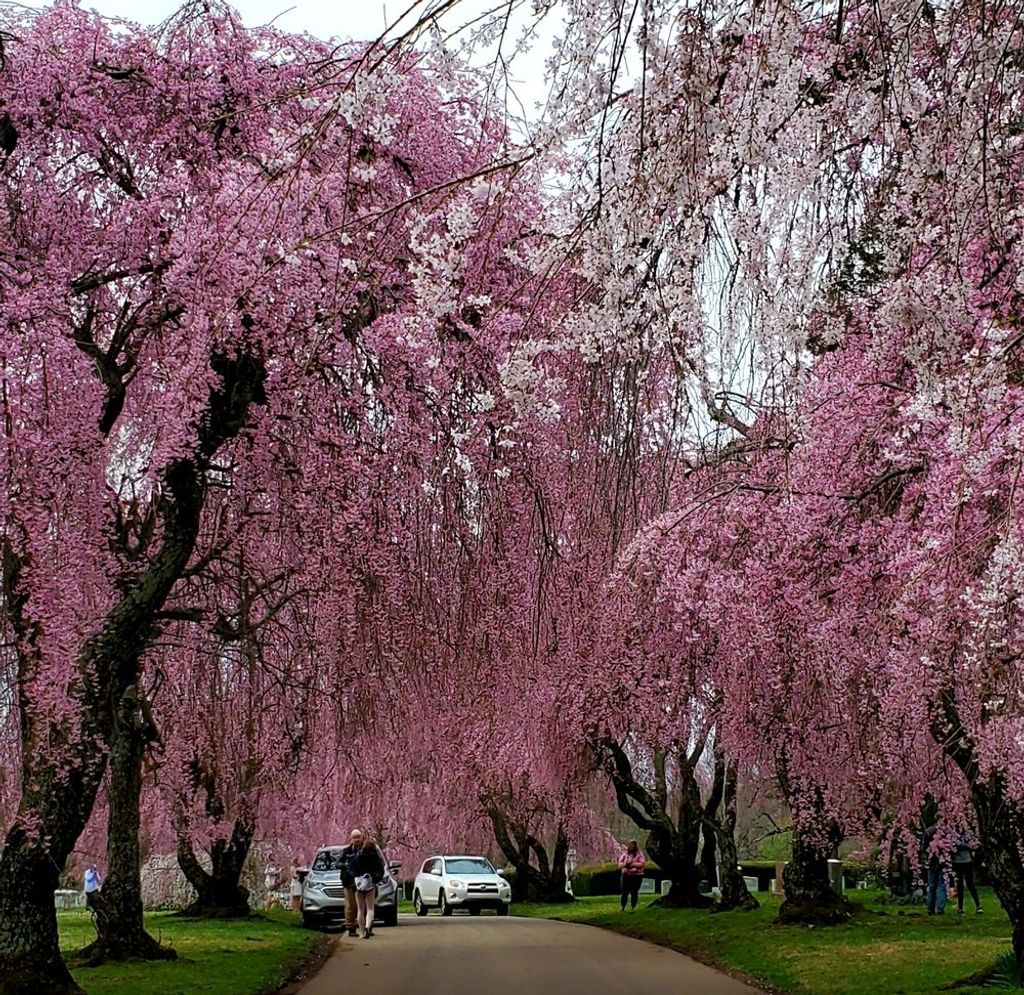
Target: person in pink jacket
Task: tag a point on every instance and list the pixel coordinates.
(632, 864)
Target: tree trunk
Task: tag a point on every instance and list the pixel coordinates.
(674, 850)
(684, 883)
(57, 795)
(32, 963)
(544, 882)
(557, 878)
(734, 888)
(1001, 833)
(121, 932)
(1000, 817)
(709, 829)
(809, 895)
(674, 847)
(671, 843)
(219, 892)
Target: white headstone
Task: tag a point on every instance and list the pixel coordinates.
(835, 876)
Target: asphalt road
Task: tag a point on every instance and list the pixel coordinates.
(486, 955)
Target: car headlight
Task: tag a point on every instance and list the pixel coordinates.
(456, 883)
(314, 885)
(504, 886)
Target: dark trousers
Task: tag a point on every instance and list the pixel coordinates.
(936, 887)
(631, 888)
(965, 876)
(351, 923)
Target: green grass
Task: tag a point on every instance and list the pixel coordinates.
(885, 950)
(230, 957)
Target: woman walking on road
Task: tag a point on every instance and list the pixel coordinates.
(366, 865)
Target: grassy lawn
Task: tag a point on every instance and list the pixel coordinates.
(885, 950)
(216, 958)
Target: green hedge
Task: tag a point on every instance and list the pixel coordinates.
(596, 879)
(604, 878)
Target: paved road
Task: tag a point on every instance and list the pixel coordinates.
(491, 956)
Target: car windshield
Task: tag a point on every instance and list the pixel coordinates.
(468, 865)
(328, 860)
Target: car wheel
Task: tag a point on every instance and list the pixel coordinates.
(417, 904)
(474, 910)
(442, 904)
(502, 909)
(390, 916)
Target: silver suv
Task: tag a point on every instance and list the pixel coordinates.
(323, 894)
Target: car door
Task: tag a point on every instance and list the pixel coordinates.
(429, 886)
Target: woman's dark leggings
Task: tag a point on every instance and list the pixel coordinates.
(630, 888)
(965, 875)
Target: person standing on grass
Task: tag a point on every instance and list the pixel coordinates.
(963, 868)
(366, 865)
(632, 863)
(932, 858)
(297, 873)
(272, 881)
(93, 884)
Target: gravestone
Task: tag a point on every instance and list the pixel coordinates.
(835, 876)
(778, 885)
(67, 898)
(665, 886)
(751, 884)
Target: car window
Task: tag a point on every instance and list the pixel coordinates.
(432, 866)
(328, 860)
(468, 865)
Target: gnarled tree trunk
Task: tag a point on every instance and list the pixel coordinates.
(543, 882)
(219, 891)
(1000, 816)
(809, 895)
(32, 964)
(121, 931)
(734, 888)
(671, 842)
(709, 829)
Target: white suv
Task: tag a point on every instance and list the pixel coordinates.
(450, 883)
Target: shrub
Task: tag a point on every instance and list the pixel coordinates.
(1007, 973)
(596, 879)
(603, 878)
